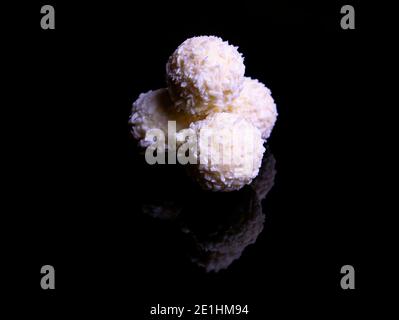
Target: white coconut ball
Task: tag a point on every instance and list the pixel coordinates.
(228, 152)
(151, 110)
(205, 74)
(256, 104)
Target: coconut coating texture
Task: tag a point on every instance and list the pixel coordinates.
(228, 152)
(204, 75)
(151, 110)
(256, 104)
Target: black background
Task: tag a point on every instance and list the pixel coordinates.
(76, 180)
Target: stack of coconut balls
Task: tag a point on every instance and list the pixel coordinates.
(229, 115)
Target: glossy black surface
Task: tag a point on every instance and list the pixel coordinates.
(78, 188)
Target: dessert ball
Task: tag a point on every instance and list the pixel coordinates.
(205, 74)
(228, 152)
(256, 104)
(151, 110)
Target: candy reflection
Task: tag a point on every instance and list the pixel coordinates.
(221, 226)
(217, 226)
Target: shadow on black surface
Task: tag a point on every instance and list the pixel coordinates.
(217, 227)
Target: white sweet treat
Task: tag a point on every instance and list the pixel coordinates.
(154, 109)
(228, 152)
(204, 75)
(256, 104)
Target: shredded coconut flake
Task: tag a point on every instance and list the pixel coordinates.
(229, 154)
(205, 74)
(256, 104)
(153, 110)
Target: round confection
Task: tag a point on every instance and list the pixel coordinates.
(228, 152)
(153, 110)
(256, 104)
(204, 75)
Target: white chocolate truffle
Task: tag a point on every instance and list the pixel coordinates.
(151, 110)
(228, 152)
(256, 104)
(204, 75)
